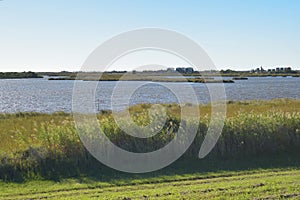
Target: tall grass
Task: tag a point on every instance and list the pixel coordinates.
(40, 144)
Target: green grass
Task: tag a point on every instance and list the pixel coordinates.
(275, 183)
(257, 156)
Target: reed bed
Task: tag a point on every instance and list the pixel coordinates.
(34, 144)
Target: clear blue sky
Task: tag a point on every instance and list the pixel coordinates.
(54, 35)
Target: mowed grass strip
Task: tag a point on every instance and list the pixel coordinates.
(257, 184)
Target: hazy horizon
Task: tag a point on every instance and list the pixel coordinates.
(151, 69)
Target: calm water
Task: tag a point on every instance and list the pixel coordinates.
(41, 95)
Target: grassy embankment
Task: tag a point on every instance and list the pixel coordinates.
(257, 155)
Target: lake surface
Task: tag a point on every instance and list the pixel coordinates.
(41, 95)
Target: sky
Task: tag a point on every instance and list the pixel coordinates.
(55, 35)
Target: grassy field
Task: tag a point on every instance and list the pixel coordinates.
(257, 156)
(259, 184)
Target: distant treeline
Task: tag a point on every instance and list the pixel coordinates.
(12, 75)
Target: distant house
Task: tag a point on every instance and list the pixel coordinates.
(189, 70)
(281, 70)
(183, 70)
(288, 69)
(180, 70)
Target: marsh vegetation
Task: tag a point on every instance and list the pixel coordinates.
(18, 75)
(47, 145)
